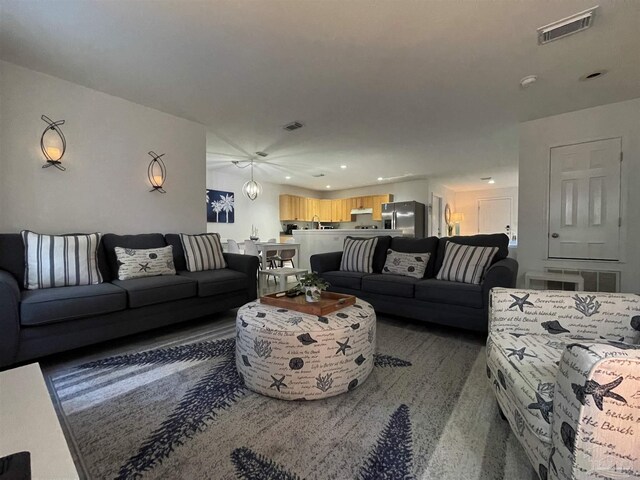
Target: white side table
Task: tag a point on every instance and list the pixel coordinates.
(28, 422)
(577, 280)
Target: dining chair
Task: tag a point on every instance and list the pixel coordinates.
(232, 246)
(287, 256)
(271, 256)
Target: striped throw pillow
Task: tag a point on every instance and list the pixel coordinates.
(203, 252)
(60, 260)
(358, 255)
(465, 263)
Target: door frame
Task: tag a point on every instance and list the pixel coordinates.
(497, 198)
(622, 229)
(439, 215)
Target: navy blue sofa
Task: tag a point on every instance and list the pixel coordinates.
(449, 303)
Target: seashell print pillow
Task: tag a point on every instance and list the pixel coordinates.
(407, 264)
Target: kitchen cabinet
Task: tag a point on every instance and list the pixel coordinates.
(378, 200)
(293, 207)
(304, 209)
(326, 214)
(312, 209)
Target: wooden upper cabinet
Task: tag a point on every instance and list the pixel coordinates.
(325, 210)
(285, 208)
(345, 207)
(378, 200)
(303, 209)
(313, 209)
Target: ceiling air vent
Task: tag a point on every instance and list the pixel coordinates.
(318, 175)
(567, 26)
(290, 127)
(262, 154)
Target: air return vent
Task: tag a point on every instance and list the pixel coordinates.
(567, 26)
(290, 127)
(318, 175)
(262, 154)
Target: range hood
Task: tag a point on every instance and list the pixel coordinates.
(360, 211)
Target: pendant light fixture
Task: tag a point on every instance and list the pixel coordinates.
(252, 189)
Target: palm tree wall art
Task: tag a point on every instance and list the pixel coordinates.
(220, 206)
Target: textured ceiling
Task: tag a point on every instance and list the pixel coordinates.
(389, 89)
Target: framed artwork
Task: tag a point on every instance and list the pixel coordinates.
(220, 206)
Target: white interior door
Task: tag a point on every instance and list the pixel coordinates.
(584, 200)
(494, 215)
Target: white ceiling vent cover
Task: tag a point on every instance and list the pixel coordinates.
(567, 26)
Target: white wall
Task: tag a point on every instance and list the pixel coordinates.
(536, 138)
(263, 212)
(467, 203)
(105, 186)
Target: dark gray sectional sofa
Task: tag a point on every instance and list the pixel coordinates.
(449, 303)
(34, 323)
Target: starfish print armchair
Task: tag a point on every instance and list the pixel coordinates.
(566, 372)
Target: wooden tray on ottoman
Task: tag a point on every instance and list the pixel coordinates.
(329, 303)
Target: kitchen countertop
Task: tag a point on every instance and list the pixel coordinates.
(323, 241)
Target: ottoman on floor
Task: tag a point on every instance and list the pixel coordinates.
(296, 356)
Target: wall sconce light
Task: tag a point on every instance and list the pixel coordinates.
(157, 173)
(456, 218)
(53, 153)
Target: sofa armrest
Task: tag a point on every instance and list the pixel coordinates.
(611, 316)
(9, 317)
(247, 264)
(326, 262)
(503, 273)
(596, 405)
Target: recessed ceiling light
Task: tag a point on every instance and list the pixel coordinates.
(492, 181)
(380, 179)
(328, 186)
(288, 177)
(527, 81)
(592, 75)
(343, 166)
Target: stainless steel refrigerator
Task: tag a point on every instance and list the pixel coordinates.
(406, 216)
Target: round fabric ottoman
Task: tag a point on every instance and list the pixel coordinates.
(296, 356)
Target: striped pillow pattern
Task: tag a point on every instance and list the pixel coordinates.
(203, 252)
(60, 260)
(358, 255)
(465, 263)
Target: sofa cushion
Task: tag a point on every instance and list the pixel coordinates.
(357, 255)
(152, 290)
(337, 278)
(406, 264)
(499, 240)
(380, 252)
(452, 293)
(466, 263)
(143, 240)
(418, 245)
(388, 284)
(50, 305)
(215, 282)
(203, 252)
(525, 366)
(146, 262)
(60, 260)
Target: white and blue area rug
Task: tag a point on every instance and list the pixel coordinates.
(174, 407)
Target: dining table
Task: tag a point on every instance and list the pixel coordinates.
(278, 247)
